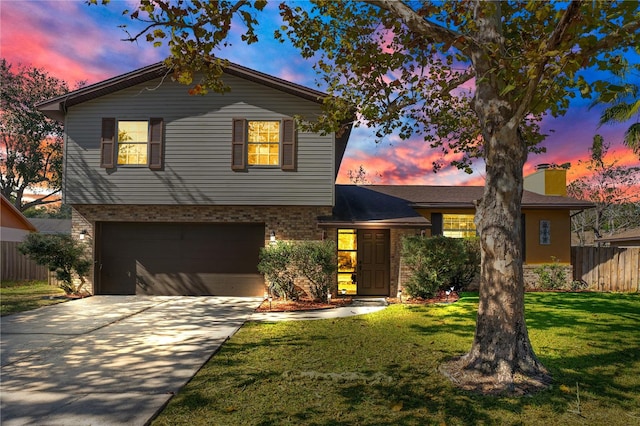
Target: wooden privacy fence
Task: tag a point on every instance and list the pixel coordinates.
(607, 268)
(18, 267)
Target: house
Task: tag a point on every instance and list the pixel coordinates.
(176, 194)
(14, 226)
(371, 220)
(628, 238)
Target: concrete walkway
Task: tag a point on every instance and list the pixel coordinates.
(108, 360)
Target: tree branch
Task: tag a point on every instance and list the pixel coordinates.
(556, 37)
(416, 23)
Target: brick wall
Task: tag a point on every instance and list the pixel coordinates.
(288, 222)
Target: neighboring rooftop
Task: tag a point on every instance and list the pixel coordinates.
(631, 236)
(52, 226)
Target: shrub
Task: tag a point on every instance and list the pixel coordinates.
(439, 262)
(60, 253)
(316, 261)
(284, 262)
(276, 263)
(551, 276)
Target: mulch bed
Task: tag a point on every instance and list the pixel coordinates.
(280, 305)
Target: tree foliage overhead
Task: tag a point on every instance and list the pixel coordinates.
(623, 106)
(31, 146)
(472, 78)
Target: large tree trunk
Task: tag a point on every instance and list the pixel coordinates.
(501, 357)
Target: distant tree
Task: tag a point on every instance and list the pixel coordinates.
(614, 189)
(624, 106)
(470, 77)
(63, 211)
(31, 145)
(358, 177)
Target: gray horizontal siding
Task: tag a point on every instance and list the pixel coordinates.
(197, 151)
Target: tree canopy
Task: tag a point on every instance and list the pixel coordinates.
(31, 150)
(472, 78)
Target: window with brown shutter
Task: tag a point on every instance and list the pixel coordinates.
(238, 136)
(288, 145)
(107, 143)
(156, 132)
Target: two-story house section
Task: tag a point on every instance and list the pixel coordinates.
(175, 194)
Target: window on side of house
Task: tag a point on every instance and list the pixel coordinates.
(133, 140)
(132, 143)
(458, 225)
(263, 143)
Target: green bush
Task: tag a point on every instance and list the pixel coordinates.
(439, 262)
(551, 276)
(276, 263)
(60, 253)
(284, 262)
(317, 262)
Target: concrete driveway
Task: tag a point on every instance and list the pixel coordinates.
(108, 360)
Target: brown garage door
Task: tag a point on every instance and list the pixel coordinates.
(179, 259)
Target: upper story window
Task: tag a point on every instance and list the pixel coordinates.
(133, 139)
(263, 143)
(132, 142)
(458, 225)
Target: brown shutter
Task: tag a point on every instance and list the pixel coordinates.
(288, 145)
(238, 144)
(108, 143)
(156, 133)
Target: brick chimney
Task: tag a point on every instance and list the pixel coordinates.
(548, 179)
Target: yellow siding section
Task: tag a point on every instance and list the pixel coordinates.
(560, 246)
(555, 182)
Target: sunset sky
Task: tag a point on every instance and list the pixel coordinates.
(76, 42)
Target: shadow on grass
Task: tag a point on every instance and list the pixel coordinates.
(406, 344)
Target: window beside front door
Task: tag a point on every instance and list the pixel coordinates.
(347, 261)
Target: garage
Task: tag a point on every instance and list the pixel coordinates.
(179, 259)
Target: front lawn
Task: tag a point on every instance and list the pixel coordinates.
(18, 296)
(382, 368)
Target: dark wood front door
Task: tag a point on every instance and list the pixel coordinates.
(373, 262)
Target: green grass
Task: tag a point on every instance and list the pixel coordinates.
(382, 369)
(18, 296)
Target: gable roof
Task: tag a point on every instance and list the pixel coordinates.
(11, 217)
(56, 108)
(423, 196)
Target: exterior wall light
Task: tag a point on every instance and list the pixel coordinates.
(272, 238)
(83, 234)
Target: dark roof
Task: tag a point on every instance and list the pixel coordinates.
(55, 108)
(360, 206)
(52, 226)
(422, 196)
(621, 237)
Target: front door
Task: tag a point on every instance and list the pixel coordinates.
(373, 262)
